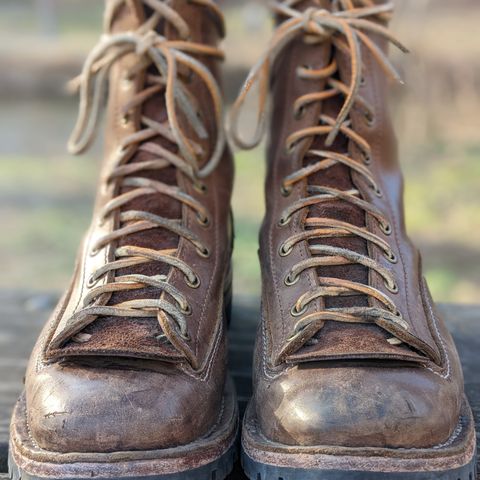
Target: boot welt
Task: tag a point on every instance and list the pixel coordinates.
(453, 460)
(209, 458)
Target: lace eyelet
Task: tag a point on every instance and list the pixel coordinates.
(286, 191)
(299, 113)
(92, 281)
(303, 67)
(284, 252)
(125, 121)
(185, 336)
(121, 151)
(289, 281)
(386, 229)
(162, 338)
(94, 252)
(298, 313)
(284, 221)
(363, 81)
(126, 83)
(204, 252)
(203, 221)
(393, 288)
(369, 118)
(367, 159)
(194, 284)
(391, 257)
(378, 193)
(200, 187)
(187, 310)
(289, 149)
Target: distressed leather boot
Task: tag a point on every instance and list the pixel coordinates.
(128, 378)
(356, 375)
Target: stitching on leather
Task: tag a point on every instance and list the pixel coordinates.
(264, 353)
(206, 372)
(439, 336)
(27, 424)
(454, 436)
(377, 137)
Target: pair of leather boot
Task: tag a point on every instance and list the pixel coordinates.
(355, 374)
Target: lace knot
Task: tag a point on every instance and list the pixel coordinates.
(315, 31)
(146, 42)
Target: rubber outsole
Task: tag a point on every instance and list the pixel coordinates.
(263, 459)
(258, 471)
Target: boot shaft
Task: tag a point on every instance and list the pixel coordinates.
(165, 187)
(333, 240)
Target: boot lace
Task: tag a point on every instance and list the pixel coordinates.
(346, 26)
(170, 60)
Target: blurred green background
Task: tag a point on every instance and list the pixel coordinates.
(46, 195)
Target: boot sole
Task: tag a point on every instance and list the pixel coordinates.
(209, 458)
(266, 460)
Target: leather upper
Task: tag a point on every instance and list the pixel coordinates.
(351, 385)
(122, 386)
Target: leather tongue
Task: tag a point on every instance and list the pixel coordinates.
(336, 339)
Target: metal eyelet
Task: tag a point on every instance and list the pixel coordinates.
(286, 191)
(378, 193)
(298, 313)
(187, 310)
(369, 118)
(304, 67)
(284, 221)
(125, 120)
(204, 252)
(393, 288)
(203, 221)
(121, 151)
(289, 281)
(289, 149)
(386, 229)
(92, 281)
(200, 187)
(284, 252)
(299, 113)
(391, 257)
(185, 336)
(127, 82)
(194, 284)
(367, 159)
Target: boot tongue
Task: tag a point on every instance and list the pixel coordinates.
(339, 177)
(338, 340)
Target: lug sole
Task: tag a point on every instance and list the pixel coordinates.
(209, 458)
(266, 460)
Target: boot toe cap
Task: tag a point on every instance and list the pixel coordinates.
(358, 407)
(73, 409)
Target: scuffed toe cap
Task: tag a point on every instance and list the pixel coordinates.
(358, 407)
(78, 409)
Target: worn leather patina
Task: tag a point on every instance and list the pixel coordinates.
(134, 356)
(351, 352)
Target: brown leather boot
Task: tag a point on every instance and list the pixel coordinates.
(356, 375)
(128, 378)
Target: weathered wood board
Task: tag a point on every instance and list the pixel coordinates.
(23, 314)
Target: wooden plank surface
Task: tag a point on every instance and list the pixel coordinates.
(23, 314)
